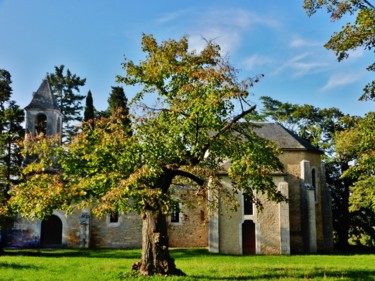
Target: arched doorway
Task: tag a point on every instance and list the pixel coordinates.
(51, 232)
(248, 238)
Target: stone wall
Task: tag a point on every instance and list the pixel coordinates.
(297, 200)
(192, 229)
(126, 233)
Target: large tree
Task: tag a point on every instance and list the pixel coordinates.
(359, 34)
(190, 126)
(65, 87)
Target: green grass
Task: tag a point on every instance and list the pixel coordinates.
(87, 265)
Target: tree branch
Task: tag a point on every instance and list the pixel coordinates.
(185, 174)
(227, 127)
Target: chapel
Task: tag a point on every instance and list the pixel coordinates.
(303, 224)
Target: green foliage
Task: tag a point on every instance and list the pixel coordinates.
(187, 134)
(11, 131)
(117, 101)
(359, 34)
(314, 124)
(5, 88)
(64, 88)
(359, 145)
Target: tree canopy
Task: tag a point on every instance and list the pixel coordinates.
(186, 125)
(359, 34)
(358, 144)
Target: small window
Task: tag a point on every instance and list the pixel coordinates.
(58, 126)
(313, 182)
(248, 204)
(175, 215)
(113, 217)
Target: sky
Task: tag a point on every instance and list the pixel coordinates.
(92, 37)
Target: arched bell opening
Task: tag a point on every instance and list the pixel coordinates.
(40, 124)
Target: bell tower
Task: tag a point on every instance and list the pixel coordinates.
(42, 114)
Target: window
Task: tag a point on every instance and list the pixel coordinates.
(58, 126)
(113, 217)
(247, 204)
(40, 124)
(313, 182)
(175, 215)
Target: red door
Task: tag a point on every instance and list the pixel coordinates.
(248, 238)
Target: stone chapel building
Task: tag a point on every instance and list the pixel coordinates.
(303, 225)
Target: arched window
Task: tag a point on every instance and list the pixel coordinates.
(248, 204)
(40, 124)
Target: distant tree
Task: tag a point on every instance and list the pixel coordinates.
(5, 88)
(11, 132)
(64, 87)
(314, 124)
(353, 35)
(182, 139)
(89, 113)
(358, 146)
(117, 101)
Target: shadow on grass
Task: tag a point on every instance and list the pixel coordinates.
(5, 265)
(186, 253)
(134, 254)
(53, 253)
(281, 273)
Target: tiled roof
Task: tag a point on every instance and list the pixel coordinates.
(282, 137)
(43, 98)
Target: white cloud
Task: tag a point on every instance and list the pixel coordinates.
(227, 39)
(303, 64)
(341, 79)
(355, 54)
(169, 17)
(298, 42)
(256, 60)
(238, 18)
(226, 27)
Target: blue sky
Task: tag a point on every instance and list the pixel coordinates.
(271, 37)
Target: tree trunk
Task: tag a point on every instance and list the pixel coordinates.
(343, 231)
(155, 254)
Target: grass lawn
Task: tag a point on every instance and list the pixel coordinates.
(198, 264)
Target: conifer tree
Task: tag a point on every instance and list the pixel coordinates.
(65, 88)
(11, 131)
(89, 113)
(118, 101)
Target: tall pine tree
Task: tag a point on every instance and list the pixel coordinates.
(65, 88)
